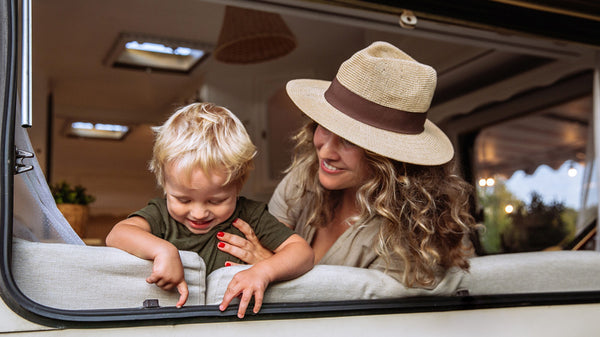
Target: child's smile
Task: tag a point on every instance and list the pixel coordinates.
(200, 225)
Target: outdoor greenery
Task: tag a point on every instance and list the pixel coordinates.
(529, 227)
(63, 193)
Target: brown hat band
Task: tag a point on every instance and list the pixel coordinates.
(373, 114)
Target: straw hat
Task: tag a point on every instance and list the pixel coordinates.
(378, 101)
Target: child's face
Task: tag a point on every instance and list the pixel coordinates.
(200, 203)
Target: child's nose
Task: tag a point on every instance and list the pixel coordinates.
(199, 212)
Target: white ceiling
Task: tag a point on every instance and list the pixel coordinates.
(72, 39)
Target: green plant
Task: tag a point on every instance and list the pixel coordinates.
(538, 226)
(63, 193)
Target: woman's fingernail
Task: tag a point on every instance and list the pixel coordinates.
(221, 244)
(220, 234)
(234, 221)
(227, 264)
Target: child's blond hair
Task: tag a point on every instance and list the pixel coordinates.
(205, 136)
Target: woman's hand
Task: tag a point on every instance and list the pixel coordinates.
(248, 250)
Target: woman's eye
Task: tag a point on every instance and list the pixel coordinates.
(347, 143)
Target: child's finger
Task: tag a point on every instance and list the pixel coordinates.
(229, 295)
(152, 279)
(244, 301)
(182, 288)
(258, 300)
(162, 284)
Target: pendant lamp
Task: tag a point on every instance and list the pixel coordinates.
(251, 36)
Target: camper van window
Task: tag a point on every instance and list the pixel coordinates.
(533, 172)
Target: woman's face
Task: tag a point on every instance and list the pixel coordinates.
(342, 165)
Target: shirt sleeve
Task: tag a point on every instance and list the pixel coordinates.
(278, 205)
(154, 214)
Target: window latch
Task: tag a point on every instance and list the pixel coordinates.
(20, 156)
(151, 303)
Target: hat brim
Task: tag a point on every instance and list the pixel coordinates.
(430, 147)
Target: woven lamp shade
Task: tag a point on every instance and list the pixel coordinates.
(251, 36)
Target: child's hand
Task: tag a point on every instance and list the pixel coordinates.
(247, 283)
(167, 273)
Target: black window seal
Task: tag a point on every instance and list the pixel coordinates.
(131, 317)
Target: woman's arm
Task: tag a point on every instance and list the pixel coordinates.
(134, 236)
(292, 258)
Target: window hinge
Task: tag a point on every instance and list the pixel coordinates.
(20, 156)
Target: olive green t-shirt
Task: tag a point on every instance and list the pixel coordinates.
(268, 229)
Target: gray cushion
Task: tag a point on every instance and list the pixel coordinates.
(550, 271)
(331, 283)
(82, 277)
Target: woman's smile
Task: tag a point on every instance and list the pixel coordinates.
(328, 168)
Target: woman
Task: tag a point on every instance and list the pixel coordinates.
(371, 184)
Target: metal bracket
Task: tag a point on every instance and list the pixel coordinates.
(408, 19)
(151, 303)
(20, 156)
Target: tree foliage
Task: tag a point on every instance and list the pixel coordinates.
(530, 227)
(536, 226)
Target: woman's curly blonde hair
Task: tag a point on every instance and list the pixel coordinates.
(424, 210)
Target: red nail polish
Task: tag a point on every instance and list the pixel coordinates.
(221, 244)
(220, 234)
(227, 264)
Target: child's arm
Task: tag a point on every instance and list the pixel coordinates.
(292, 258)
(133, 235)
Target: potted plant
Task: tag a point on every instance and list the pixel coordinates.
(73, 204)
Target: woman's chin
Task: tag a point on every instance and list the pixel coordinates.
(331, 184)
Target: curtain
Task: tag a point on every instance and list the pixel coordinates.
(35, 216)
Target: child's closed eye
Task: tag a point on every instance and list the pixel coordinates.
(216, 201)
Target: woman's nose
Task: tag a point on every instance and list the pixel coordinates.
(331, 143)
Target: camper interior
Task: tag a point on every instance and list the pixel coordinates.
(78, 78)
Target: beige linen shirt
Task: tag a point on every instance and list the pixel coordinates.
(354, 248)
